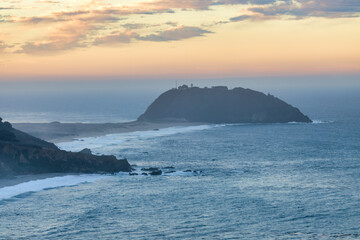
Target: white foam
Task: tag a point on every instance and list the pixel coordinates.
(100, 144)
(313, 122)
(320, 122)
(41, 184)
(179, 173)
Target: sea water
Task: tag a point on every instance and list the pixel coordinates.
(239, 181)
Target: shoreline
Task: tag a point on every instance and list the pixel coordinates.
(67, 132)
(16, 180)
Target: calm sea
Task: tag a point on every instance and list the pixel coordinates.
(246, 181)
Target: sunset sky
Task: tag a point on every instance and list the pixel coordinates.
(179, 38)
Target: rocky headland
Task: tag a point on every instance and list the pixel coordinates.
(21, 153)
(220, 105)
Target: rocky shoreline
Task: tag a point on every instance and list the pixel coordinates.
(22, 154)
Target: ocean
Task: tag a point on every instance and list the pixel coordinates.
(224, 181)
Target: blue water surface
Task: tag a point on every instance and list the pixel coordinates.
(257, 181)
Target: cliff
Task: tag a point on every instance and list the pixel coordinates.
(220, 105)
(21, 153)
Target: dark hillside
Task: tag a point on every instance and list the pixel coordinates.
(221, 105)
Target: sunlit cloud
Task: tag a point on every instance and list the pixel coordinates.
(93, 18)
(34, 29)
(63, 37)
(247, 2)
(132, 26)
(301, 9)
(253, 17)
(2, 46)
(116, 38)
(47, 1)
(184, 4)
(175, 34)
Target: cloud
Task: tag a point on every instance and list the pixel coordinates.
(99, 23)
(311, 8)
(132, 26)
(95, 15)
(3, 18)
(183, 4)
(53, 17)
(253, 17)
(270, 9)
(108, 13)
(297, 8)
(115, 38)
(64, 37)
(170, 23)
(4, 46)
(175, 34)
(245, 2)
(70, 36)
(240, 18)
(49, 2)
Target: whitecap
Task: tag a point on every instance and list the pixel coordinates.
(42, 184)
(320, 121)
(127, 139)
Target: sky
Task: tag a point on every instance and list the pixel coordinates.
(178, 38)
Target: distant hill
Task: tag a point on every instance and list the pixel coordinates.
(220, 105)
(21, 153)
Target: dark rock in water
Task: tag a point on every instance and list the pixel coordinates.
(221, 105)
(149, 169)
(188, 170)
(21, 154)
(170, 171)
(145, 174)
(170, 167)
(133, 174)
(156, 172)
(85, 151)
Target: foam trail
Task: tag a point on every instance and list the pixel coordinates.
(126, 139)
(41, 184)
(321, 121)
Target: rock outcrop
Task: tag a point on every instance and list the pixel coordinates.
(220, 105)
(21, 153)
